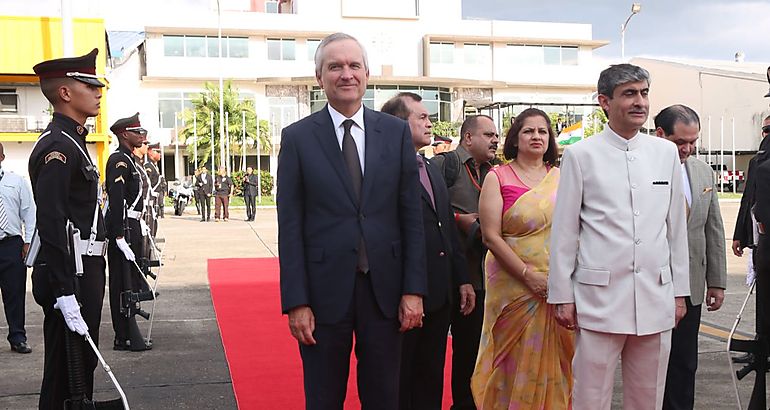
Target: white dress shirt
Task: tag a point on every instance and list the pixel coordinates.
(357, 131)
(687, 189)
(19, 206)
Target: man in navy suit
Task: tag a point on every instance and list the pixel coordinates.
(350, 236)
(424, 349)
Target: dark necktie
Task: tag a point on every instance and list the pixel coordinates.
(425, 180)
(350, 152)
(353, 162)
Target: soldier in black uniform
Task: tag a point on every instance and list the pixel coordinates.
(124, 193)
(151, 168)
(65, 182)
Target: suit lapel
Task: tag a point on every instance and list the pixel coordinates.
(372, 151)
(437, 198)
(327, 139)
(694, 178)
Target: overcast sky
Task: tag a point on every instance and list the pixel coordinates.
(703, 29)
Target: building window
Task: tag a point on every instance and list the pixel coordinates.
(195, 46)
(442, 53)
(212, 46)
(569, 55)
(205, 46)
(542, 54)
(271, 7)
(280, 49)
(171, 104)
(283, 112)
(312, 46)
(238, 47)
(9, 100)
(477, 54)
(437, 100)
(526, 54)
(173, 46)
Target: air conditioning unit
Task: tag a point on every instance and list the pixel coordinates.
(13, 124)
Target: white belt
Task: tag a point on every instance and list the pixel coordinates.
(98, 248)
(134, 214)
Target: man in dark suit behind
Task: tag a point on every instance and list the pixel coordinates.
(350, 236)
(424, 349)
(743, 235)
(204, 183)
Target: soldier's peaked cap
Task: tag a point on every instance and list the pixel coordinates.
(127, 124)
(81, 68)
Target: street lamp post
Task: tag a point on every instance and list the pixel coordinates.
(222, 159)
(635, 9)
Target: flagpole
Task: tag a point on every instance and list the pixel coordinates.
(259, 165)
(243, 141)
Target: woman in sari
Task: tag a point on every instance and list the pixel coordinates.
(525, 357)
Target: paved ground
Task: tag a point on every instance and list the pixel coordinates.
(187, 367)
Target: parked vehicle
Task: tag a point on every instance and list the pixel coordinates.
(181, 194)
(725, 178)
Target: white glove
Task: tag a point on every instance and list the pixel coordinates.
(70, 309)
(123, 246)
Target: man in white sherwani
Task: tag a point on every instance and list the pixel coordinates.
(619, 257)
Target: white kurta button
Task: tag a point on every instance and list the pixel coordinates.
(637, 241)
(633, 186)
(636, 213)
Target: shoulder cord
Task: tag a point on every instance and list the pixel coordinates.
(139, 182)
(92, 237)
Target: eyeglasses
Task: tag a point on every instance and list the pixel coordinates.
(766, 129)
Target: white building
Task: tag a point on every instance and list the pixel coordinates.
(727, 95)
(458, 66)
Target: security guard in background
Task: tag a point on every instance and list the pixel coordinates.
(124, 213)
(762, 251)
(65, 182)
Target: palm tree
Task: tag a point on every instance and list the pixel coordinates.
(205, 110)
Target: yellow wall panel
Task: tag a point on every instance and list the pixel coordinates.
(26, 41)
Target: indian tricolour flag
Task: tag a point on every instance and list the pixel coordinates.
(571, 134)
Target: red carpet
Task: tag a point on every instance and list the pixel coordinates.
(263, 357)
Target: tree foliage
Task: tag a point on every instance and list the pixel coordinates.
(595, 123)
(205, 108)
(446, 129)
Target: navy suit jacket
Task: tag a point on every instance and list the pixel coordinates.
(320, 222)
(446, 264)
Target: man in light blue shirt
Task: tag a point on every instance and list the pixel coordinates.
(17, 224)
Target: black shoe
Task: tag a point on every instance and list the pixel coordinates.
(203, 220)
(118, 345)
(141, 348)
(22, 348)
(744, 359)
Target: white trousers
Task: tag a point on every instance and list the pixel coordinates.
(644, 362)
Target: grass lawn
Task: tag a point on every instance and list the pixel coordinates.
(729, 195)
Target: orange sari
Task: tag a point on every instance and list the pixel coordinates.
(525, 356)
